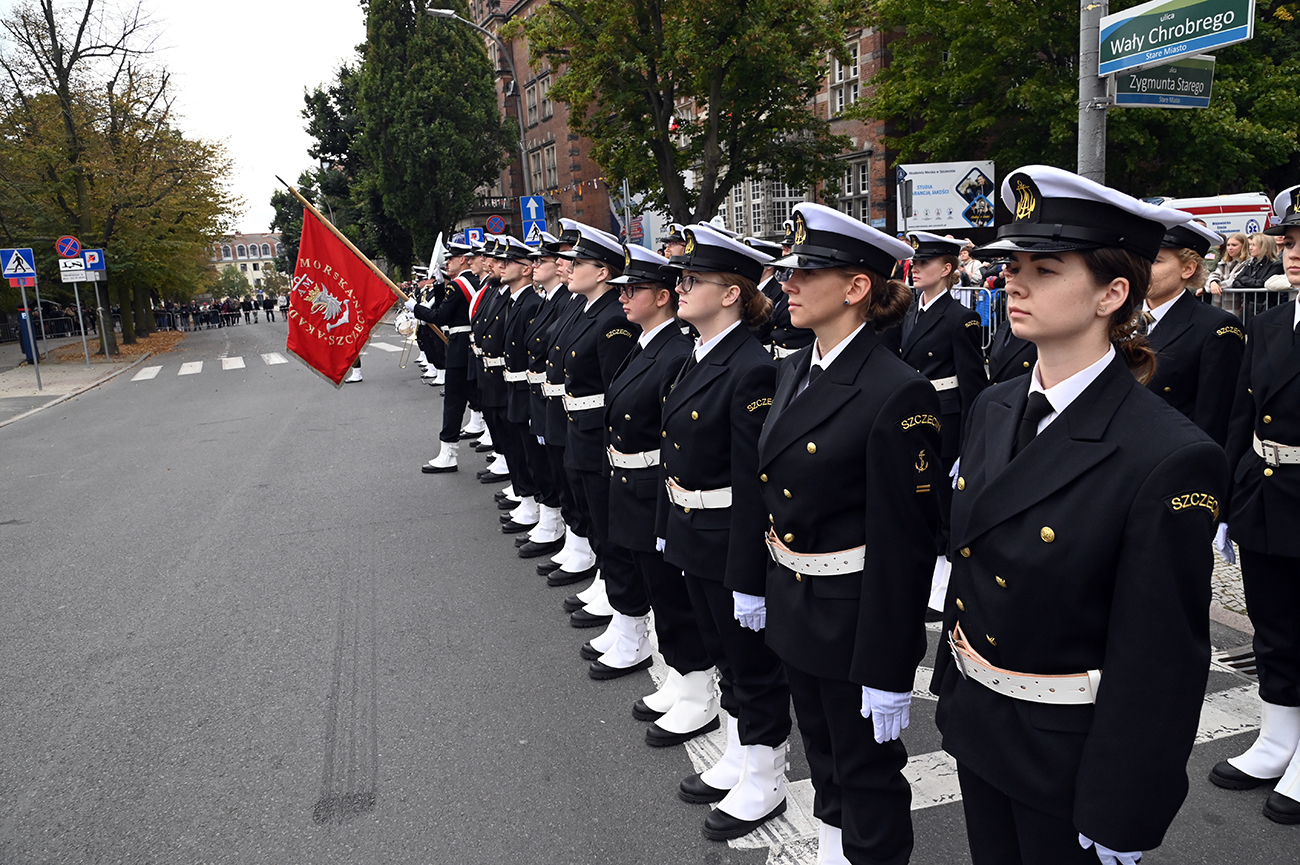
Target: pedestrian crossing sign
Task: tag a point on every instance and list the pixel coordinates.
(17, 263)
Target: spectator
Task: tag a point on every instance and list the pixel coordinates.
(268, 304)
(247, 306)
(1262, 264)
(970, 267)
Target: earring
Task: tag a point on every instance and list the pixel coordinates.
(846, 301)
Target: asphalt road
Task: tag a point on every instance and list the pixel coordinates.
(239, 626)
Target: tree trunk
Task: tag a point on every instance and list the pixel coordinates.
(128, 319)
(143, 312)
(104, 321)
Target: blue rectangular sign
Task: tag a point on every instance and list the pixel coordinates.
(94, 259)
(533, 210)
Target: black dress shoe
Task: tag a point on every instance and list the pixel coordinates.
(642, 712)
(721, 826)
(658, 737)
(437, 470)
(562, 577)
(533, 549)
(520, 541)
(573, 602)
(506, 503)
(545, 568)
(499, 495)
(600, 672)
(513, 527)
(1282, 809)
(1229, 777)
(490, 478)
(695, 791)
(584, 619)
(469, 435)
(589, 652)
(482, 448)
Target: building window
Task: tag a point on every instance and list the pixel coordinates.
(756, 214)
(855, 199)
(535, 166)
(257, 283)
(255, 265)
(266, 250)
(243, 268)
(530, 97)
(240, 252)
(544, 90)
(864, 177)
(225, 252)
(739, 227)
(279, 249)
(552, 167)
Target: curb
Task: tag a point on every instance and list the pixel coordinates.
(94, 384)
(1236, 621)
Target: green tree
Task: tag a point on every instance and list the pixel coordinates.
(274, 280)
(230, 283)
(998, 80)
(723, 90)
(428, 131)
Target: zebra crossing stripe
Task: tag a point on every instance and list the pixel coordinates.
(232, 363)
(147, 373)
(274, 357)
(192, 368)
(383, 346)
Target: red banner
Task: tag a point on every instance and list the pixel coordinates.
(334, 302)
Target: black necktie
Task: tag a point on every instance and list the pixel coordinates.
(813, 372)
(636, 350)
(1035, 410)
(687, 367)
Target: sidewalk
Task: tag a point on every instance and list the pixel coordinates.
(59, 381)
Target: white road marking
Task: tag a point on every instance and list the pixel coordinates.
(383, 346)
(232, 363)
(274, 357)
(192, 368)
(147, 373)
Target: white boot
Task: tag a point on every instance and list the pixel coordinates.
(599, 605)
(662, 700)
(580, 559)
(498, 466)
(1279, 734)
(430, 371)
(1289, 786)
(527, 512)
(485, 440)
(476, 424)
(355, 375)
(696, 707)
(509, 492)
(631, 643)
(421, 359)
(939, 583)
(607, 638)
(567, 550)
(761, 788)
(830, 845)
(549, 528)
(445, 461)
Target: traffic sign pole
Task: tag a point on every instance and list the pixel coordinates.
(31, 340)
(81, 322)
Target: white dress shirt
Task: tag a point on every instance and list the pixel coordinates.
(1061, 395)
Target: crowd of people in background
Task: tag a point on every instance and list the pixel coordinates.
(225, 312)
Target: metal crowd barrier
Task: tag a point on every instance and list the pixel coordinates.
(1246, 303)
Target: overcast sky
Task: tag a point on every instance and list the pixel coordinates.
(239, 71)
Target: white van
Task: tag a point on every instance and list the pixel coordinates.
(1247, 212)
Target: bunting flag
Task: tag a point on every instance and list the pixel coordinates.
(334, 302)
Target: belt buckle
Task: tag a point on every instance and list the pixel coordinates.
(956, 656)
(1272, 454)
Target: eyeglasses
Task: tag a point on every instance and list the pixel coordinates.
(630, 289)
(687, 283)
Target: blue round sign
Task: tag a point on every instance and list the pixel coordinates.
(67, 246)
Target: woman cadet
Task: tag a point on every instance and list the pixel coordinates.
(1264, 450)
(712, 521)
(849, 469)
(1077, 621)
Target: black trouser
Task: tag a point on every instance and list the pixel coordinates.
(858, 782)
(1003, 831)
(560, 478)
(455, 395)
(752, 677)
(593, 500)
(270, 314)
(1272, 585)
(511, 446)
(675, 626)
(435, 350)
(540, 468)
(471, 392)
(581, 511)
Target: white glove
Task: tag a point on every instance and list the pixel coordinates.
(751, 610)
(1223, 544)
(660, 544)
(541, 441)
(1109, 856)
(956, 467)
(410, 304)
(890, 712)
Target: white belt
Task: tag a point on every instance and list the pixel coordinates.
(493, 361)
(703, 499)
(1076, 689)
(552, 389)
(474, 348)
(1275, 454)
(464, 328)
(816, 564)
(536, 377)
(581, 403)
(515, 376)
(780, 352)
(643, 460)
(944, 383)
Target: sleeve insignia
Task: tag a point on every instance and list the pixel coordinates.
(1224, 331)
(618, 332)
(917, 420)
(758, 404)
(921, 465)
(974, 322)
(1186, 501)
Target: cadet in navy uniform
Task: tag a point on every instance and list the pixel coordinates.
(452, 315)
(848, 452)
(1264, 451)
(712, 521)
(1082, 520)
(485, 326)
(592, 348)
(517, 313)
(781, 334)
(1198, 347)
(1010, 356)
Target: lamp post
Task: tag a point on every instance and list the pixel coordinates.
(519, 96)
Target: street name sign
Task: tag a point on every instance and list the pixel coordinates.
(1185, 83)
(1162, 30)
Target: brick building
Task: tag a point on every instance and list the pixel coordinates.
(249, 253)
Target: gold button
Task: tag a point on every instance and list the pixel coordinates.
(799, 577)
(960, 605)
(763, 478)
(1001, 582)
(1047, 534)
(695, 415)
(788, 537)
(787, 494)
(611, 429)
(625, 479)
(677, 446)
(812, 447)
(627, 417)
(664, 434)
(1169, 390)
(965, 552)
(929, 354)
(1268, 418)
(687, 510)
(770, 519)
(1025, 364)
(961, 483)
(573, 354)
(1268, 473)
(992, 641)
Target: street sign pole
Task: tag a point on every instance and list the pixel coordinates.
(1093, 93)
(99, 312)
(44, 339)
(31, 339)
(81, 323)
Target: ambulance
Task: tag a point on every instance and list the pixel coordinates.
(1246, 212)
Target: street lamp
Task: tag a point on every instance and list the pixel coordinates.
(519, 96)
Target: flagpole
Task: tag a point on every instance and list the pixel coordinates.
(358, 253)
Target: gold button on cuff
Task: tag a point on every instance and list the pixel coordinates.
(1268, 418)
(763, 478)
(960, 605)
(812, 447)
(1047, 534)
(992, 640)
(787, 494)
(1001, 582)
(1268, 473)
(788, 537)
(961, 483)
(965, 552)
